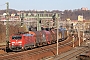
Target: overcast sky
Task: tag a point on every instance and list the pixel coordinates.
(45, 4)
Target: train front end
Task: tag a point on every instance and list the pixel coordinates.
(16, 43)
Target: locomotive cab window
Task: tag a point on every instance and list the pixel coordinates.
(16, 37)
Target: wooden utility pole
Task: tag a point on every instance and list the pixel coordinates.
(7, 22)
(83, 31)
(44, 20)
(79, 32)
(57, 31)
(38, 23)
(22, 18)
(49, 25)
(7, 26)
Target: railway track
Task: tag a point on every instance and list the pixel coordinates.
(72, 54)
(2, 47)
(33, 52)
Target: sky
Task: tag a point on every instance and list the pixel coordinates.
(45, 4)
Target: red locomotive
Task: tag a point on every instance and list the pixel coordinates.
(33, 39)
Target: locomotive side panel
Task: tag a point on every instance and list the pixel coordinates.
(29, 41)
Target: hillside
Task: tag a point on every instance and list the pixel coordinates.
(12, 30)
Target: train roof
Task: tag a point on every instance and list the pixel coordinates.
(27, 35)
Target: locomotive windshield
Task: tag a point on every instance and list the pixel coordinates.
(16, 37)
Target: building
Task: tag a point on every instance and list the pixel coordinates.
(84, 8)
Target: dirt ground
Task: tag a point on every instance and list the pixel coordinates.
(2, 52)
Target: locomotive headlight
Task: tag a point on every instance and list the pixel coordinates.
(20, 43)
(12, 44)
